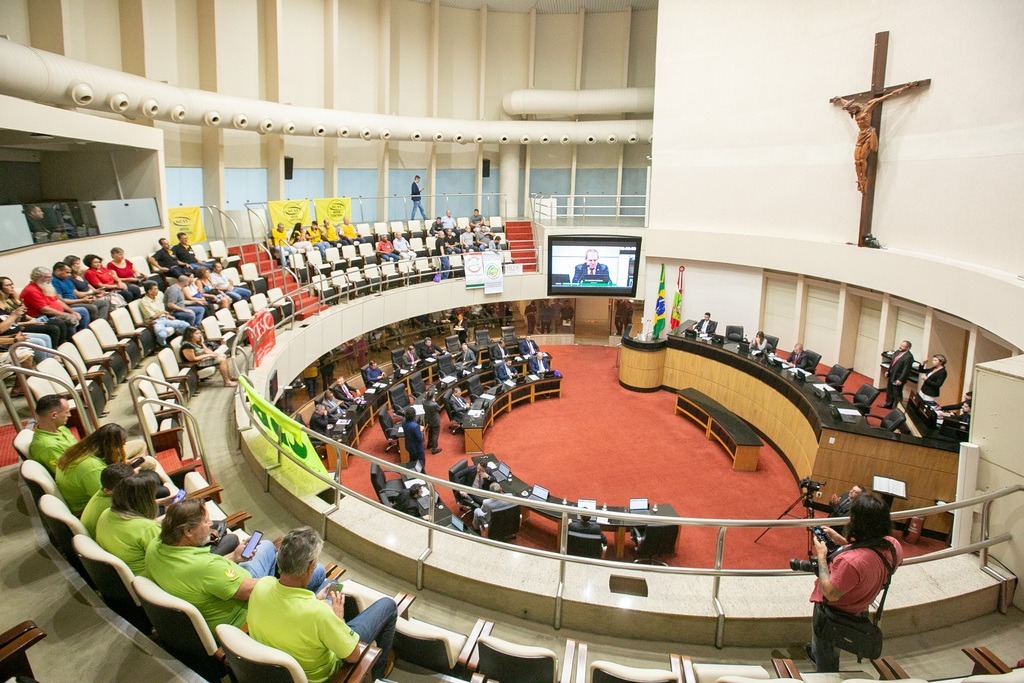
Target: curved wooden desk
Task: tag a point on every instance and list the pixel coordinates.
(641, 364)
(473, 428)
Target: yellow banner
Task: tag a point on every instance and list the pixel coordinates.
(186, 219)
(333, 209)
(289, 212)
(288, 433)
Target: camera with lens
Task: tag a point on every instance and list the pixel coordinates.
(812, 564)
(808, 485)
(798, 565)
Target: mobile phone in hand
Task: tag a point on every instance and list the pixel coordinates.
(135, 462)
(250, 546)
(178, 496)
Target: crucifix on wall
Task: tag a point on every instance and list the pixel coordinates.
(865, 108)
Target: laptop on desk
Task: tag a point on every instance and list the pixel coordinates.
(538, 492)
(639, 505)
(502, 474)
(586, 504)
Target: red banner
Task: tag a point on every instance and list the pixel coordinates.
(261, 335)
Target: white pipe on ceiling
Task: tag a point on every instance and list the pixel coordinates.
(579, 102)
(53, 79)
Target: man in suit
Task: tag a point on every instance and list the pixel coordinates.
(799, 358)
(706, 325)
(841, 504)
(406, 500)
(373, 373)
(586, 525)
(899, 369)
(345, 393)
(410, 359)
(497, 351)
(468, 359)
(932, 382)
(414, 440)
(504, 372)
(482, 515)
(538, 365)
(591, 270)
(528, 347)
(320, 421)
(428, 350)
(458, 409)
(432, 418)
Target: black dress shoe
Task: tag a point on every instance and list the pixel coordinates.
(435, 451)
(887, 406)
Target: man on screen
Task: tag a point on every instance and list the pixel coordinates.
(591, 270)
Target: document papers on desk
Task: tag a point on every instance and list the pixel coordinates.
(532, 377)
(475, 413)
(894, 487)
(510, 382)
(420, 410)
(486, 397)
(448, 380)
(823, 387)
(371, 390)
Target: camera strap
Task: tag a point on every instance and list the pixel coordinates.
(890, 569)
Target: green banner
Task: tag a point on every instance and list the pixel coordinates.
(286, 432)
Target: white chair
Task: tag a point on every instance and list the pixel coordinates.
(75, 364)
(333, 257)
(126, 328)
(127, 348)
(426, 645)
(41, 386)
(94, 354)
(505, 661)
(299, 264)
(259, 302)
(405, 270)
(213, 332)
(363, 230)
(462, 222)
(136, 313)
(168, 359)
(22, 443)
(200, 253)
(389, 273)
(424, 269)
(163, 431)
(251, 660)
(356, 281)
(366, 250)
(351, 255)
(380, 228)
(155, 370)
(252, 276)
(495, 224)
(243, 312)
(113, 579)
(232, 276)
(38, 480)
(416, 245)
(415, 228)
(339, 283)
(373, 276)
(506, 256)
(712, 673)
(219, 251)
(226, 320)
(397, 227)
(610, 672)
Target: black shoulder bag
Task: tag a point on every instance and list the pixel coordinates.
(858, 633)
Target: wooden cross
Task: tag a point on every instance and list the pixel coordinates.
(866, 110)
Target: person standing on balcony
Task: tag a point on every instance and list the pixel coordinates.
(416, 195)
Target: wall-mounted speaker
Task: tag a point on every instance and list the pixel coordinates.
(289, 167)
(487, 168)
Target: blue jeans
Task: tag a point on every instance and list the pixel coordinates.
(193, 316)
(165, 327)
(323, 247)
(417, 204)
(238, 293)
(86, 319)
(264, 563)
(39, 340)
(392, 256)
(377, 623)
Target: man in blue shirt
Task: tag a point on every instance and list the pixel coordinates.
(67, 293)
(416, 195)
(414, 440)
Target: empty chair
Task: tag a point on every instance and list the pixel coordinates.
(180, 629)
(94, 354)
(23, 442)
(773, 342)
(387, 427)
(389, 274)
(462, 222)
(386, 488)
(894, 420)
(380, 228)
(836, 376)
(219, 251)
(483, 338)
(40, 386)
(417, 245)
(242, 310)
(277, 300)
(226, 320)
(446, 366)
(359, 284)
(372, 274)
(452, 345)
(405, 271)
(416, 228)
(339, 283)
(864, 398)
(455, 263)
(366, 252)
(175, 373)
(109, 341)
(417, 387)
(323, 288)
(364, 232)
(609, 672)
(213, 332)
(396, 227)
(585, 545)
(113, 581)
(506, 519)
(428, 646)
(163, 432)
(495, 224)
(316, 264)
(734, 333)
(252, 277)
(332, 257)
(38, 480)
(155, 371)
(350, 255)
(741, 672)
(654, 540)
(61, 527)
(398, 398)
(75, 364)
(126, 328)
(502, 660)
(200, 252)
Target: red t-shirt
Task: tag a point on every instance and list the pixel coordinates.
(385, 246)
(125, 271)
(98, 278)
(860, 574)
(34, 299)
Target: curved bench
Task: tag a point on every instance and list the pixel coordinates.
(719, 423)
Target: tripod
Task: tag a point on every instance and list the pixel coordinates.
(807, 498)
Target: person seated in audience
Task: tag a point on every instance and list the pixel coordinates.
(184, 253)
(279, 241)
(503, 372)
(481, 480)
(496, 244)
(51, 436)
(348, 231)
(482, 515)
(932, 379)
(194, 351)
(223, 285)
(458, 408)
(126, 529)
(410, 359)
(154, 311)
(437, 228)
(41, 300)
(467, 242)
(182, 305)
(497, 351)
(447, 221)
(329, 234)
(476, 220)
(123, 268)
(110, 477)
(428, 350)
(958, 417)
(759, 344)
(799, 359)
(316, 238)
(451, 242)
(468, 362)
(538, 365)
(586, 525)
(402, 247)
(219, 587)
(205, 288)
(373, 373)
(164, 262)
(486, 242)
(386, 249)
(78, 468)
(84, 303)
(407, 500)
(311, 627)
(528, 347)
(11, 332)
(299, 239)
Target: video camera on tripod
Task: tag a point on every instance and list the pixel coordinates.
(810, 488)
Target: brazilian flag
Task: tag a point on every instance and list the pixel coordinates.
(659, 306)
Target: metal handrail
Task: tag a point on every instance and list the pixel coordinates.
(135, 393)
(86, 403)
(28, 372)
(217, 211)
(196, 440)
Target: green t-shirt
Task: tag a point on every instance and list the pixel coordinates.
(294, 621)
(47, 446)
(99, 502)
(79, 481)
(200, 577)
(126, 538)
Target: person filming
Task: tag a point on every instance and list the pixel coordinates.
(851, 575)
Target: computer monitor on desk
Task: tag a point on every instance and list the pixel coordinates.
(586, 504)
(638, 505)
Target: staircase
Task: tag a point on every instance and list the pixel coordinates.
(306, 304)
(519, 235)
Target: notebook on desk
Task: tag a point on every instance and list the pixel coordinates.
(502, 474)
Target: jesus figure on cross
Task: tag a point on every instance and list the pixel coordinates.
(867, 136)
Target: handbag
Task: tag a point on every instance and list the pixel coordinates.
(857, 633)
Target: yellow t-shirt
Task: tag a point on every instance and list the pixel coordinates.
(314, 234)
(349, 231)
(279, 237)
(329, 232)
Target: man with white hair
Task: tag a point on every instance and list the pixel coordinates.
(41, 299)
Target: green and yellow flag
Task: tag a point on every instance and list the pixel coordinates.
(659, 306)
(288, 433)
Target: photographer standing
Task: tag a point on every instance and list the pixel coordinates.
(850, 577)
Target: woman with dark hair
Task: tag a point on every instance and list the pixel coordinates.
(208, 290)
(79, 468)
(195, 352)
(300, 239)
(12, 307)
(126, 529)
(760, 344)
(101, 277)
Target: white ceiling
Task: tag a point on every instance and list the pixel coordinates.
(549, 6)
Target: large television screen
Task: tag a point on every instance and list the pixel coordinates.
(593, 265)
